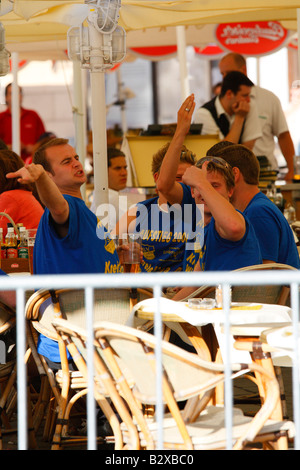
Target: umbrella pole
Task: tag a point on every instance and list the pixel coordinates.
(99, 138)
(181, 52)
(79, 116)
(15, 105)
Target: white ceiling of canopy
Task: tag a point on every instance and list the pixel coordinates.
(146, 22)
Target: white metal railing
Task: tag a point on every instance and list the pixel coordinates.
(156, 281)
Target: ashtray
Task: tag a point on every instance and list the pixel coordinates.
(201, 303)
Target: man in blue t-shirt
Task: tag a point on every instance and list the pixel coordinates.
(164, 229)
(69, 238)
(275, 236)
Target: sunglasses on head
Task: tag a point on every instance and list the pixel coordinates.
(218, 160)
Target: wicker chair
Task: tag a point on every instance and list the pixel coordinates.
(67, 387)
(125, 357)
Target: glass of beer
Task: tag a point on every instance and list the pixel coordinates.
(31, 232)
(129, 252)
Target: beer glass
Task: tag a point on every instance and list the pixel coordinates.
(129, 252)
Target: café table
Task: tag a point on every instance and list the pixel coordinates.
(247, 322)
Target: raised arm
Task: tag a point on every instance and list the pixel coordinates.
(166, 183)
(241, 111)
(48, 191)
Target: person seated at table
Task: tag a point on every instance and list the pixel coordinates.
(69, 239)
(161, 227)
(16, 199)
(274, 234)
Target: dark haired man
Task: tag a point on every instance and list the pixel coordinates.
(230, 115)
(271, 117)
(272, 230)
(69, 240)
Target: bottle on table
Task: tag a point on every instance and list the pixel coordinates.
(23, 243)
(290, 213)
(11, 243)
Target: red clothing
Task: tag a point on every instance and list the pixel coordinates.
(31, 128)
(22, 207)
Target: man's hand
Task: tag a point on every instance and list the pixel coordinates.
(27, 174)
(185, 114)
(194, 175)
(241, 108)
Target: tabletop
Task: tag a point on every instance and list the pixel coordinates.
(241, 314)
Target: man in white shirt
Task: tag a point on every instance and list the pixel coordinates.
(271, 116)
(230, 114)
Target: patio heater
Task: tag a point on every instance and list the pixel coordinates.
(98, 46)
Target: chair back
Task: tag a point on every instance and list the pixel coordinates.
(133, 350)
(268, 294)
(44, 306)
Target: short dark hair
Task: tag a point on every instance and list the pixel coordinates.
(233, 81)
(40, 158)
(215, 150)
(113, 152)
(238, 156)
(186, 156)
(8, 86)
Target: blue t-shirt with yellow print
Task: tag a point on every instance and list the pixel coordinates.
(165, 231)
(87, 248)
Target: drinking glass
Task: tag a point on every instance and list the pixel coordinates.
(129, 251)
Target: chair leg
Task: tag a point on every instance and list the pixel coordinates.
(50, 419)
(278, 374)
(42, 403)
(32, 443)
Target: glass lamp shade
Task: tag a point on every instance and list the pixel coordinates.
(78, 42)
(113, 48)
(118, 45)
(105, 15)
(73, 40)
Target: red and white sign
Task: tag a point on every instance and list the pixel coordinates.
(252, 38)
(211, 51)
(155, 53)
